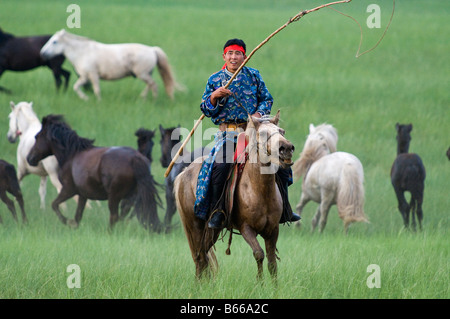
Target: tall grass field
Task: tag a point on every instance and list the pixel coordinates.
(311, 70)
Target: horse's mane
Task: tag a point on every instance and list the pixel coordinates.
(66, 141)
(4, 37)
(321, 141)
(76, 37)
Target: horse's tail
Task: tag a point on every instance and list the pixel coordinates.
(167, 74)
(147, 195)
(350, 197)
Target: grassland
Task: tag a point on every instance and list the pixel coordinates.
(314, 77)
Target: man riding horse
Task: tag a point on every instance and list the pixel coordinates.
(229, 108)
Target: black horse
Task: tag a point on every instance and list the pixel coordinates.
(408, 174)
(170, 143)
(23, 54)
(9, 183)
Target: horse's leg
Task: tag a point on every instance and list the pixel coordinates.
(271, 250)
(315, 220)
(8, 203)
(325, 205)
(125, 206)
(79, 212)
(94, 79)
(403, 206)
(304, 199)
(413, 210)
(171, 207)
(151, 84)
(419, 211)
(43, 190)
(2, 89)
(250, 237)
(82, 80)
(64, 195)
(113, 205)
(19, 198)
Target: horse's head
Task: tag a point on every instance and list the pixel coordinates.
(54, 46)
(145, 142)
(271, 145)
(18, 119)
(403, 137)
(326, 134)
(170, 138)
(42, 147)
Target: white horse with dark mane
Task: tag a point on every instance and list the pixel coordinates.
(330, 178)
(93, 60)
(24, 124)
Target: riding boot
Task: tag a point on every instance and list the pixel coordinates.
(217, 207)
(288, 215)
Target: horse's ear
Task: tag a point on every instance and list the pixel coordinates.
(409, 127)
(161, 129)
(31, 104)
(311, 128)
(276, 119)
(397, 125)
(11, 103)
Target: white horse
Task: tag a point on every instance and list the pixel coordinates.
(330, 178)
(24, 124)
(94, 60)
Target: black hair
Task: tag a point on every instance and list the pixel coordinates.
(235, 41)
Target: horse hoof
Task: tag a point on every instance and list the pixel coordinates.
(72, 223)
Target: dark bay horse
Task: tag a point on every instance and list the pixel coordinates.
(170, 143)
(257, 200)
(408, 175)
(23, 54)
(9, 183)
(99, 173)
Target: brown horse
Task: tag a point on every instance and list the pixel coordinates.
(99, 173)
(257, 204)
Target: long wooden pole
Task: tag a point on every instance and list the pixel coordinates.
(293, 19)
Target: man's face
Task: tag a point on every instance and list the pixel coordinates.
(233, 59)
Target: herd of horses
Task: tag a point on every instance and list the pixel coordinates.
(122, 175)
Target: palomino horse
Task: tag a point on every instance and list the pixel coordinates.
(24, 124)
(23, 54)
(10, 184)
(329, 178)
(94, 60)
(101, 173)
(170, 143)
(408, 175)
(257, 200)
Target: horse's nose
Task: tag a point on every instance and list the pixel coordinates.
(286, 150)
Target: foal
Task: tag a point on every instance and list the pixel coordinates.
(408, 174)
(9, 183)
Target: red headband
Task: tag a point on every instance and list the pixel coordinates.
(234, 47)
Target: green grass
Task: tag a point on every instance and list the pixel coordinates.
(314, 77)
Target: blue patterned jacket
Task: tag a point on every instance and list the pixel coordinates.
(250, 95)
